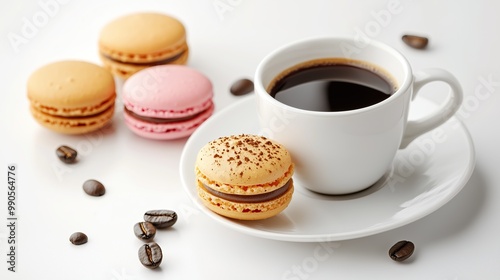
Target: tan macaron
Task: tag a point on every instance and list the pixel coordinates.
(246, 177)
(133, 42)
(72, 97)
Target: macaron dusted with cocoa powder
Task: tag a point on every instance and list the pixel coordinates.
(136, 41)
(245, 177)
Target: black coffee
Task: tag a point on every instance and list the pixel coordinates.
(332, 85)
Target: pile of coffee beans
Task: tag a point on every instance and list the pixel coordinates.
(150, 254)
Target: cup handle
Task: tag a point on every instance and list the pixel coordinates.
(418, 127)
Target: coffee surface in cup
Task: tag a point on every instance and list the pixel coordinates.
(332, 85)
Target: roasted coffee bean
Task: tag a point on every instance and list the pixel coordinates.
(145, 231)
(150, 255)
(161, 218)
(416, 42)
(241, 87)
(66, 154)
(78, 238)
(94, 188)
(401, 250)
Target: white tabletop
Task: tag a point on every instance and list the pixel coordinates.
(228, 38)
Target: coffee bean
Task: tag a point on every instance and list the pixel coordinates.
(416, 42)
(66, 154)
(150, 255)
(94, 188)
(161, 218)
(145, 231)
(401, 250)
(241, 87)
(78, 238)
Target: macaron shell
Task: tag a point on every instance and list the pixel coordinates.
(167, 91)
(73, 125)
(245, 211)
(71, 88)
(166, 131)
(124, 70)
(142, 37)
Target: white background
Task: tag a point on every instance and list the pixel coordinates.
(228, 38)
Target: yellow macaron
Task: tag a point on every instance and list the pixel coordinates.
(246, 177)
(133, 42)
(72, 97)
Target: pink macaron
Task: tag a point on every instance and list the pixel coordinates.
(167, 101)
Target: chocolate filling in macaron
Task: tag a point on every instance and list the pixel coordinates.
(152, 63)
(162, 120)
(263, 197)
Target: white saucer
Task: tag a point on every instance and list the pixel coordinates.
(424, 177)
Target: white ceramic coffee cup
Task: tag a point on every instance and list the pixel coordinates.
(348, 151)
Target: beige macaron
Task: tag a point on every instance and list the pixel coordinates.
(71, 97)
(246, 177)
(133, 42)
